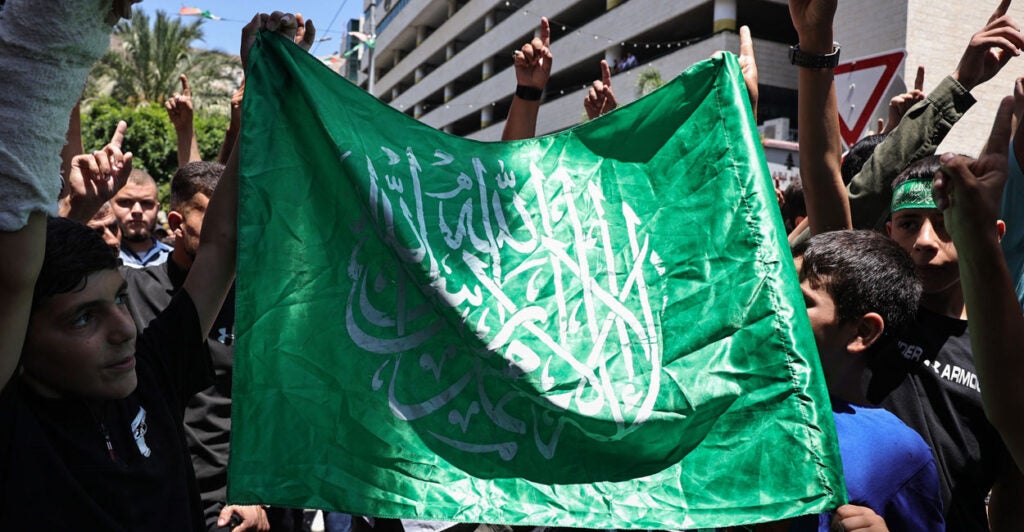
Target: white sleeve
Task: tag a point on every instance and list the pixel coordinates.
(46, 52)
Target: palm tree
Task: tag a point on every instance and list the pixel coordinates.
(144, 64)
(648, 80)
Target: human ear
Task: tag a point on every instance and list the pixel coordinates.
(1000, 230)
(888, 229)
(869, 329)
(174, 220)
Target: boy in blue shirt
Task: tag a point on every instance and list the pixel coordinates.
(860, 290)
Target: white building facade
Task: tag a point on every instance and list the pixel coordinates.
(448, 63)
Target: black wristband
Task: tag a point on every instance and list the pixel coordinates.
(530, 94)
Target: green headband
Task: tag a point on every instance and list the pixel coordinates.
(913, 194)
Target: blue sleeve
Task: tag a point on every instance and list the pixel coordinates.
(918, 504)
(1012, 212)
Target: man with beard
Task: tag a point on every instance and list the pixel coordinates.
(136, 206)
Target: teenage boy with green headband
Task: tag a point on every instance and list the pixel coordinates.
(928, 378)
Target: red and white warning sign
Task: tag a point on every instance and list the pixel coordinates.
(860, 86)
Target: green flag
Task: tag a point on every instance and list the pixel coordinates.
(598, 328)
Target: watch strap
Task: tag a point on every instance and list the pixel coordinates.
(531, 94)
(804, 59)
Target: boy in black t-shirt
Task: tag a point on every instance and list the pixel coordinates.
(92, 435)
(91, 421)
(929, 379)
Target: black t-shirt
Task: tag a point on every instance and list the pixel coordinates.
(56, 472)
(928, 380)
(208, 413)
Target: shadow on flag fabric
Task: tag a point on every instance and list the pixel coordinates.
(598, 328)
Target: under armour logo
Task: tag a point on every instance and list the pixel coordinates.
(226, 337)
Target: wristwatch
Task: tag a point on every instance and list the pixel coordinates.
(803, 59)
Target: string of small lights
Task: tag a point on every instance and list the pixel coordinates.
(626, 45)
(626, 78)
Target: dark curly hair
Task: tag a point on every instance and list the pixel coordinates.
(73, 252)
(863, 271)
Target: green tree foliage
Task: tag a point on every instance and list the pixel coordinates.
(146, 65)
(150, 136)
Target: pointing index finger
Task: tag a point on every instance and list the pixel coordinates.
(1004, 6)
(118, 138)
(919, 80)
(606, 74)
(999, 140)
(186, 91)
(545, 31)
(746, 43)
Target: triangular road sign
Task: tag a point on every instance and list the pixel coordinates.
(860, 85)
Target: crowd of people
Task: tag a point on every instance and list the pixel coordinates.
(116, 359)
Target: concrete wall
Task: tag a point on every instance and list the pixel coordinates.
(436, 42)
(934, 34)
(572, 49)
(568, 111)
(504, 36)
(938, 42)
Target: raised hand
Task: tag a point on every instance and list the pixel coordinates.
(284, 23)
(96, 177)
(748, 66)
(813, 22)
(533, 60)
(120, 9)
(990, 49)
(236, 104)
(179, 107)
(828, 206)
(180, 111)
(600, 99)
(968, 190)
(301, 39)
(234, 125)
(900, 104)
